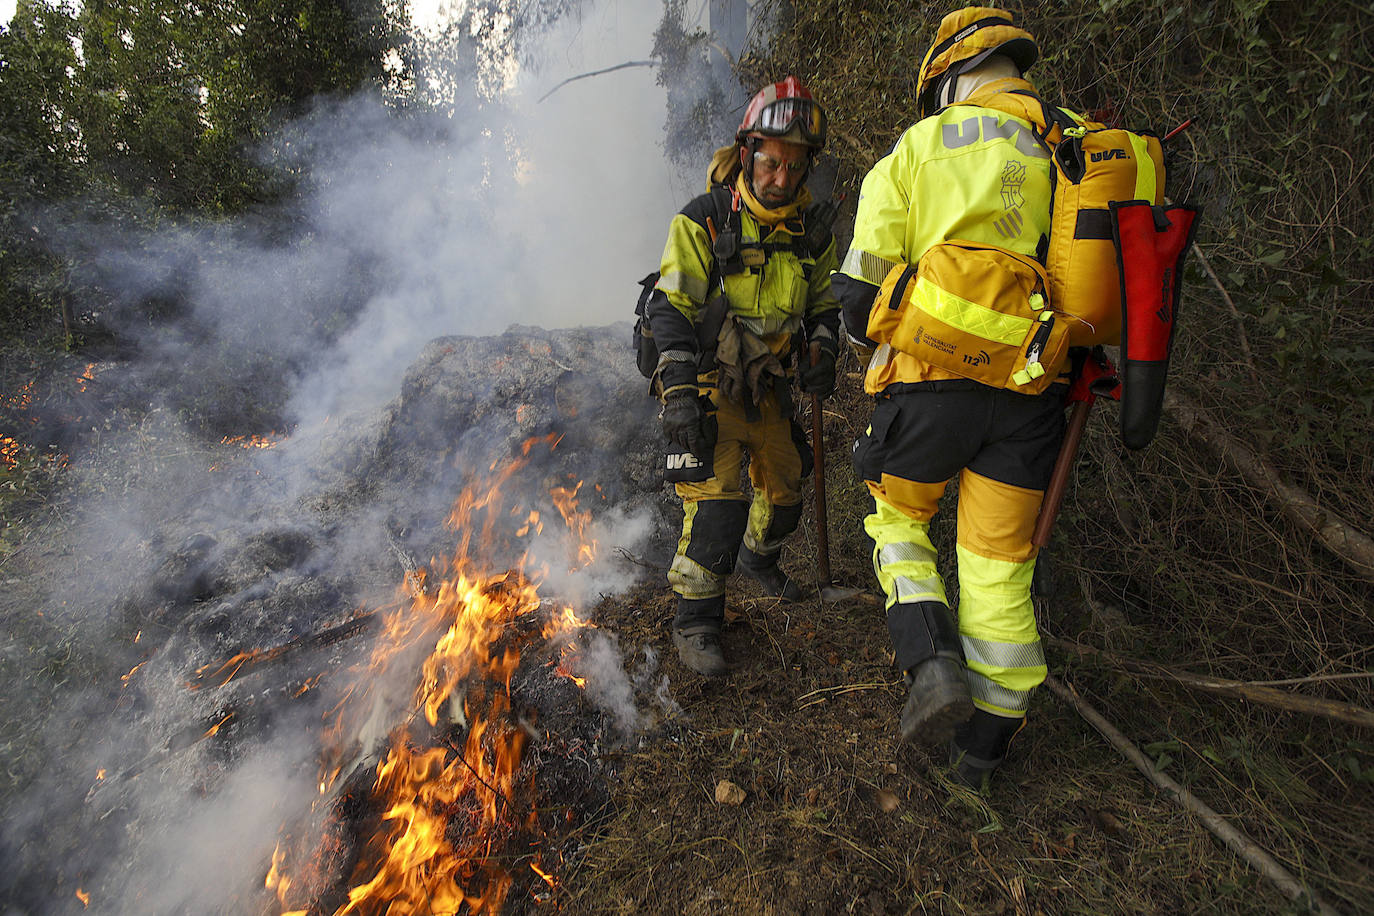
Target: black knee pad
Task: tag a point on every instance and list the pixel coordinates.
(785, 521)
(717, 529)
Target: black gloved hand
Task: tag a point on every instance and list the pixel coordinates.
(819, 377)
(684, 421)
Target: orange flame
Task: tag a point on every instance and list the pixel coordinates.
(132, 672)
(548, 878)
(9, 451)
(84, 897)
(232, 666)
(21, 400)
(12, 451)
(565, 498)
(253, 441)
(445, 807)
(214, 729)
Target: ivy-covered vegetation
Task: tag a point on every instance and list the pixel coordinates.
(150, 110)
(1195, 553)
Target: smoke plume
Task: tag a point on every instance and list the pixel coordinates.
(494, 210)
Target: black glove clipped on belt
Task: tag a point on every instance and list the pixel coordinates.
(818, 378)
(684, 421)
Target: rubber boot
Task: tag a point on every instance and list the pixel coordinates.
(765, 570)
(937, 701)
(980, 745)
(696, 634)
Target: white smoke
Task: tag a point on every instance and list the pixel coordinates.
(506, 211)
(598, 660)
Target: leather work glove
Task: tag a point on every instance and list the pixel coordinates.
(684, 422)
(819, 377)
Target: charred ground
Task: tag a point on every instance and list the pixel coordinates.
(838, 815)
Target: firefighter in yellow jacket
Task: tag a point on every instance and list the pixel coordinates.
(744, 284)
(972, 172)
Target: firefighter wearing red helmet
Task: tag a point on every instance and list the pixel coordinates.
(744, 282)
(975, 168)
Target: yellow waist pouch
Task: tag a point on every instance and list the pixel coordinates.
(980, 311)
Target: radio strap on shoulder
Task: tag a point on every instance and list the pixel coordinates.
(725, 243)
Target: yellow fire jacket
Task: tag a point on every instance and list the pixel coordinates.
(786, 291)
(972, 171)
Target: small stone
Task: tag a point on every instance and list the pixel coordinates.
(727, 793)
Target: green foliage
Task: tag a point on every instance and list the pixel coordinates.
(696, 121)
(163, 113)
(174, 97)
(39, 154)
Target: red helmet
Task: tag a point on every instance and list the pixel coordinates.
(785, 111)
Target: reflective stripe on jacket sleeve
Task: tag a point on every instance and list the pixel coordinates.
(686, 263)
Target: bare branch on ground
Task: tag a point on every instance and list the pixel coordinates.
(1255, 693)
(1238, 842)
(1339, 536)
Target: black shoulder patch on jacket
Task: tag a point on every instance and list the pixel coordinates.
(699, 208)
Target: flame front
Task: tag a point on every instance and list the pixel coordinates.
(253, 441)
(447, 808)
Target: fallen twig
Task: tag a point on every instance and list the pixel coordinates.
(822, 693)
(1254, 692)
(1238, 842)
(1242, 845)
(1340, 537)
(244, 662)
(639, 561)
(1241, 339)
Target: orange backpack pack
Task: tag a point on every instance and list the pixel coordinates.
(1006, 320)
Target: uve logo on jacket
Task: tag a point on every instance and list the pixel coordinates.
(681, 466)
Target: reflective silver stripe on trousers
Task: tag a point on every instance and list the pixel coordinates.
(904, 552)
(910, 588)
(983, 688)
(694, 580)
(1003, 654)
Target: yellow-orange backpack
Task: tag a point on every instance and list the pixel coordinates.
(1032, 309)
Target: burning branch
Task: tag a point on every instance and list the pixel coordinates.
(456, 791)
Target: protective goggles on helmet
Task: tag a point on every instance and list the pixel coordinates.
(780, 118)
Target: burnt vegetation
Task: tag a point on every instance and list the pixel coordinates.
(1235, 550)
